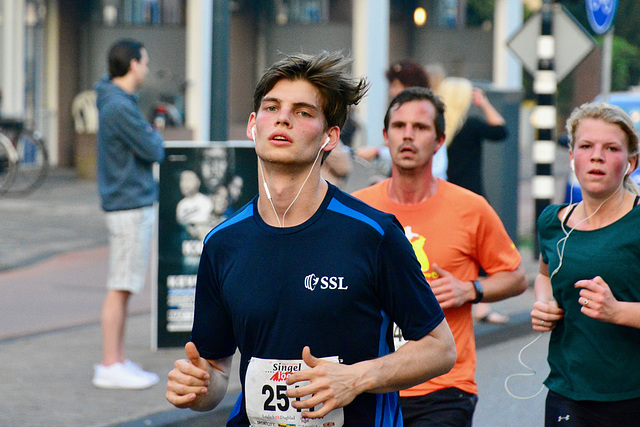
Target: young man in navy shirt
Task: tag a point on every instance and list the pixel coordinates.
(307, 281)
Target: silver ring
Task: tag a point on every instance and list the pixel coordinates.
(586, 302)
(542, 323)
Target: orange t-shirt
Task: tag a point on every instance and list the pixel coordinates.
(459, 231)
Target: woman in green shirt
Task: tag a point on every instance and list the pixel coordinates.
(588, 289)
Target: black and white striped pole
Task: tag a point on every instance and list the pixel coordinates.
(545, 85)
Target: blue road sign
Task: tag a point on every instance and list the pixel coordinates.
(601, 14)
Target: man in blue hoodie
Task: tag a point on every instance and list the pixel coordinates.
(127, 148)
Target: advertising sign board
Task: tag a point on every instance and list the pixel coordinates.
(201, 185)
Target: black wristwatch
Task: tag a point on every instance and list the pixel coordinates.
(479, 293)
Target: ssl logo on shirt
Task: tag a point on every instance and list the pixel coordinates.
(326, 282)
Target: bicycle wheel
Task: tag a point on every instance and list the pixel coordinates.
(8, 162)
(33, 163)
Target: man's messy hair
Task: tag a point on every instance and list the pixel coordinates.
(329, 72)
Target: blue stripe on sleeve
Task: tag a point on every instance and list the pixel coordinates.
(243, 214)
(336, 206)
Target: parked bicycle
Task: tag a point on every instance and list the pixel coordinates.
(24, 161)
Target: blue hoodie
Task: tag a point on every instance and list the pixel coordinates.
(127, 148)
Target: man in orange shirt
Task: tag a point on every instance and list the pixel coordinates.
(453, 232)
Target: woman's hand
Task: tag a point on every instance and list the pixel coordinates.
(545, 315)
(597, 300)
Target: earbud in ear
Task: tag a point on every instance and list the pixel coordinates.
(573, 166)
(628, 168)
(253, 133)
(326, 141)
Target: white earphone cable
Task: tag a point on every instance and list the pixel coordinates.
(531, 372)
(302, 186)
(566, 213)
(266, 187)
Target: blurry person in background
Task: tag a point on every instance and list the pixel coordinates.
(465, 133)
(128, 146)
(401, 75)
(436, 74)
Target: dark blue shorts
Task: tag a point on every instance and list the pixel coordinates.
(449, 407)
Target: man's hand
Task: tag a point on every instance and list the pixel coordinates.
(189, 379)
(331, 384)
(450, 291)
(367, 153)
(478, 96)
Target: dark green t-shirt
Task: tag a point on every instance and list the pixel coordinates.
(590, 359)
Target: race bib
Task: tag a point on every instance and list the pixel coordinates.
(266, 397)
(398, 339)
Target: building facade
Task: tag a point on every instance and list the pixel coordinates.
(54, 50)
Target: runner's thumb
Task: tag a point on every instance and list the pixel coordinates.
(308, 358)
(440, 271)
(192, 353)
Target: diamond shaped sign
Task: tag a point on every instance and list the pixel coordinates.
(572, 41)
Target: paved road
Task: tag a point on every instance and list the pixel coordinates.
(61, 216)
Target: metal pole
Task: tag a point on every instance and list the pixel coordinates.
(607, 55)
(12, 58)
(507, 69)
(545, 87)
(219, 70)
(370, 32)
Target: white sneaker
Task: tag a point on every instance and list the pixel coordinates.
(137, 369)
(118, 376)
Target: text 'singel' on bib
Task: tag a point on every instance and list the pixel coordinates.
(266, 397)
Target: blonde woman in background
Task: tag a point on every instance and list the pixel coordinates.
(464, 136)
(464, 133)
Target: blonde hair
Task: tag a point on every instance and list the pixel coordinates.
(614, 115)
(457, 94)
(436, 74)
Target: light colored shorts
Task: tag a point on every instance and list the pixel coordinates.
(129, 243)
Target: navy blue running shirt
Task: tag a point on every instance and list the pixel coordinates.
(336, 283)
